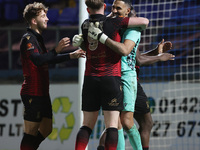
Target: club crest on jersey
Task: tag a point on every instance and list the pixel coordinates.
(29, 46)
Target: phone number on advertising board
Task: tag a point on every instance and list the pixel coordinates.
(183, 128)
(187, 105)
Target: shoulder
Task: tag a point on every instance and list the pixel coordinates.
(134, 30)
(28, 37)
(28, 41)
(119, 18)
(131, 31)
(85, 24)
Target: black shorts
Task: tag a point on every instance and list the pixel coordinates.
(36, 107)
(141, 104)
(105, 92)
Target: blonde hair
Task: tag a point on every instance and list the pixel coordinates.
(33, 10)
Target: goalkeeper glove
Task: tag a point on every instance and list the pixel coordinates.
(77, 40)
(95, 33)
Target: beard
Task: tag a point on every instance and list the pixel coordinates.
(42, 26)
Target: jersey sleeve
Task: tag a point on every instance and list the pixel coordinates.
(119, 22)
(38, 58)
(132, 34)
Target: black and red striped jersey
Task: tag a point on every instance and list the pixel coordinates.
(101, 60)
(35, 59)
(36, 78)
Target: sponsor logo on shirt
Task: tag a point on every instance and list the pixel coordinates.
(30, 46)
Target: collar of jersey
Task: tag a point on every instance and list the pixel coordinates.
(97, 17)
(37, 35)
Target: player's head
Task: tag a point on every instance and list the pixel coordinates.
(95, 6)
(35, 15)
(122, 8)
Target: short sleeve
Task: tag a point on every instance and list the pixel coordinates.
(132, 34)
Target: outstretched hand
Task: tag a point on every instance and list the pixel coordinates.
(63, 43)
(164, 46)
(77, 54)
(166, 56)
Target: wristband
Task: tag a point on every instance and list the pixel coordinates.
(103, 38)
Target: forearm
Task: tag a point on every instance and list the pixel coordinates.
(59, 58)
(152, 52)
(117, 47)
(147, 60)
(50, 57)
(138, 22)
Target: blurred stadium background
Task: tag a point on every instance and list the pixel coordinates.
(172, 87)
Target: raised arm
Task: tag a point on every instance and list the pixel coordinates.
(155, 55)
(135, 21)
(138, 22)
(162, 47)
(143, 60)
(120, 48)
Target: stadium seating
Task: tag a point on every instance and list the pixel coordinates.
(69, 16)
(53, 15)
(1, 9)
(11, 11)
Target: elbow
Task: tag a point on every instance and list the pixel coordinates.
(122, 51)
(122, 54)
(125, 53)
(146, 22)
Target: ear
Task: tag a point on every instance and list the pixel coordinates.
(128, 11)
(33, 21)
(104, 5)
(88, 10)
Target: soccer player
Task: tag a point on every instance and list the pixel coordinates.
(102, 82)
(35, 88)
(123, 8)
(131, 39)
(142, 111)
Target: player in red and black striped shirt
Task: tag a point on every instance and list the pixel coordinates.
(102, 81)
(35, 88)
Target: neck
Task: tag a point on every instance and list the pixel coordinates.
(36, 29)
(96, 12)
